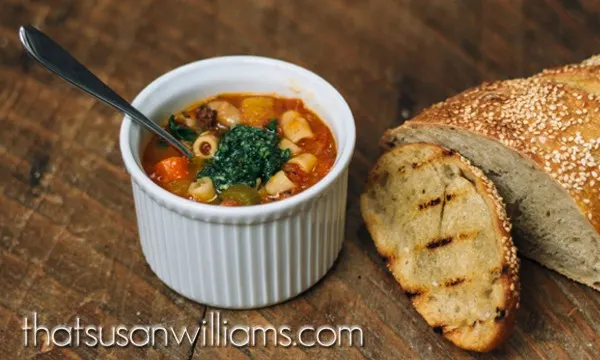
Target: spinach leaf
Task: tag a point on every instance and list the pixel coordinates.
(181, 131)
(245, 154)
(272, 126)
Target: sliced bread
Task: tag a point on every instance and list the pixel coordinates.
(538, 140)
(443, 229)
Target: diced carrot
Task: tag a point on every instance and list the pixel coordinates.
(173, 168)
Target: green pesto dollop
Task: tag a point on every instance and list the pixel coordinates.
(246, 154)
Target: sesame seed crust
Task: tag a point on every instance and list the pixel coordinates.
(502, 225)
(552, 118)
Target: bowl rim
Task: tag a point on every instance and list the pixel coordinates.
(280, 207)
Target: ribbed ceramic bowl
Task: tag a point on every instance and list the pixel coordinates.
(240, 257)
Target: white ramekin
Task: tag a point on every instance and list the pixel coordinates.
(243, 257)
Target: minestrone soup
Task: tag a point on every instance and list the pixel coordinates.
(249, 150)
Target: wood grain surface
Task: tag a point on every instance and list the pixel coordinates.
(68, 235)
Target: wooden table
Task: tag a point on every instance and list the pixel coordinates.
(68, 235)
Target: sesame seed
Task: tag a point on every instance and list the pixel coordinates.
(541, 117)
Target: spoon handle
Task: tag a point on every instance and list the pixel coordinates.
(56, 59)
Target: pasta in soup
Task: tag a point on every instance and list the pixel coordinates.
(249, 149)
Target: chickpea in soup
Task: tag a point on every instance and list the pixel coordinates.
(249, 150)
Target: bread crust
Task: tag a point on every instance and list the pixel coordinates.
(552, 118)
(509, 277)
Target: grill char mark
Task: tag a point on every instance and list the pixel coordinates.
(439, 242)
(436, 243)
(500, 314)
(413, 294)
(454, 282)
(430, 203)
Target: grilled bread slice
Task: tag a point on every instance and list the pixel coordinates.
(443, 229)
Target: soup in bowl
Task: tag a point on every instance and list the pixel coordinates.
(258, 215)
(249, 149)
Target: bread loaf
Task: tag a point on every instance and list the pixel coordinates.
(443, 229)
(538, 140)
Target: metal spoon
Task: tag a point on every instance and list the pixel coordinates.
(56, 59)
